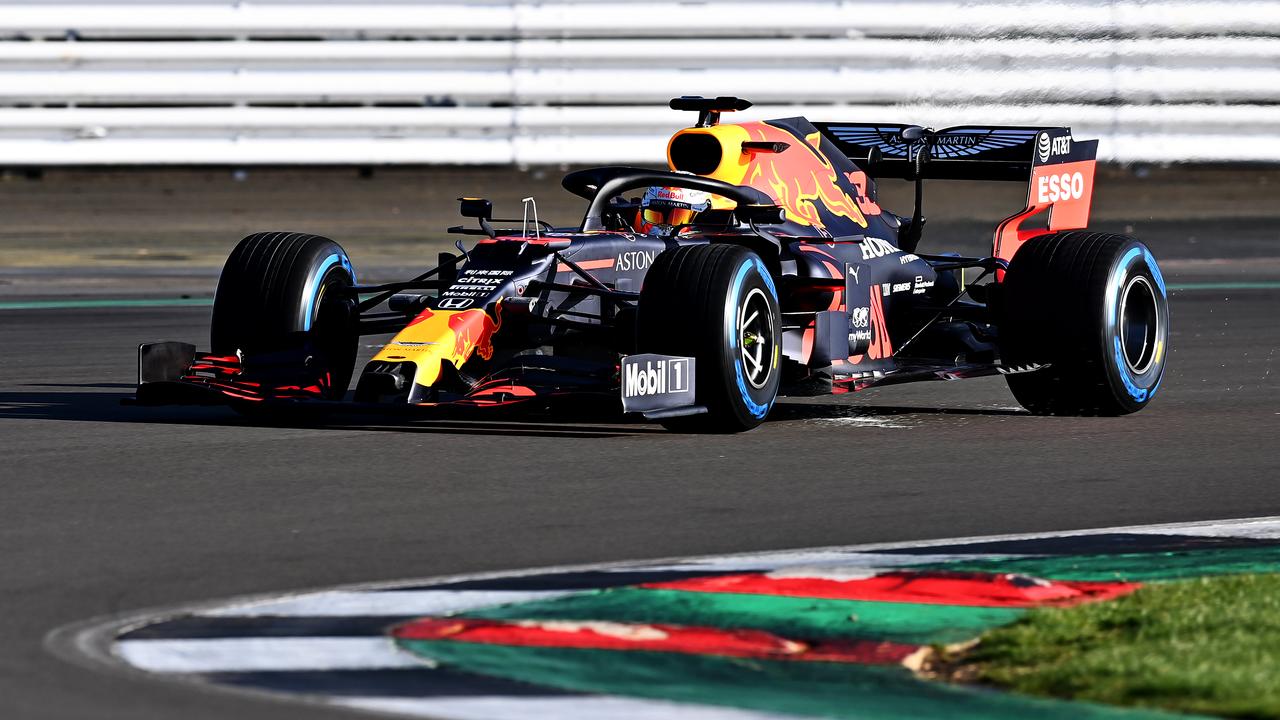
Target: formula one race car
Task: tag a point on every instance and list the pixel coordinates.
(760, 265)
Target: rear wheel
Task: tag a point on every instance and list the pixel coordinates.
(282, 293)
(1093, 308)
(718, 304)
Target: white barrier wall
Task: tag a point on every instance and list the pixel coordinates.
(586, 81)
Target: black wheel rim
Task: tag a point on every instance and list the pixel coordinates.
(756, 338)
(1139, 324)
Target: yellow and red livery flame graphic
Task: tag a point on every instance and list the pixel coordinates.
(439, 335)
(865, 203)
(797, 177)
(801, 178)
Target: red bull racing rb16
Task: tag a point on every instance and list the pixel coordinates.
(759, 265)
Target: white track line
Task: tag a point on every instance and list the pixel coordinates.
(1261, 528)
(1266, 527)
(348, 603)
(253, 654)
(553, 708)
(828, 558)
(345, 603)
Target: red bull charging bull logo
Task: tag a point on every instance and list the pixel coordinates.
(436, 336)
(800, 178)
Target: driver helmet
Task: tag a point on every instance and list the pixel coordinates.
(664, 208)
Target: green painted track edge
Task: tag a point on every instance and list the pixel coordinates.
(86, 304)
(105, 304)
(1243, 285)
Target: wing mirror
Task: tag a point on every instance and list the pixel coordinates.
(914, 133)
(925, 136)
(481, 209)
(476, 208)
(910, 239)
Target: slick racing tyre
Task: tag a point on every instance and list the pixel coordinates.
(1093, 308)
(718, 304)
(276, 295)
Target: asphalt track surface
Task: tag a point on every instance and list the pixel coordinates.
(109, 508)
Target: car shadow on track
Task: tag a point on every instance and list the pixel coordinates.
(785, 411)
(102, 403)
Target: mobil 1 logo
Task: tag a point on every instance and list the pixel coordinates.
(656, 382)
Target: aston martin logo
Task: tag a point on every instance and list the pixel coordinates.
(950, 144)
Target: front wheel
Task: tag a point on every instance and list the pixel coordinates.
(718, 304)
(286, 293)
(1093, 309)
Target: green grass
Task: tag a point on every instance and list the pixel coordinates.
(1209, 646)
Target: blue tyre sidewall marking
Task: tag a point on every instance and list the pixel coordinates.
(758, 410)
(312, 290)
(1164, 297)
(1119, 274)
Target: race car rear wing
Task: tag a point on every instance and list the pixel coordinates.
(968, 152)
(1059, 169)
